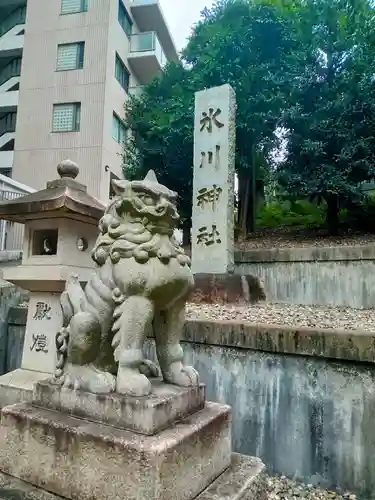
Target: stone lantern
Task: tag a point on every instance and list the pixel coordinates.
(61, 226)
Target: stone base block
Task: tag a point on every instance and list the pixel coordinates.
(227, 289)
(146, 415)
(17, 386)
(81, 460)
(243, 480)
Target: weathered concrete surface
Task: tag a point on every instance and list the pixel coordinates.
(147, 415)
(336, 276)
(16, 337)
(81, 460)
(243, 480)
(306, 254)
(9, 296)
(303, 417)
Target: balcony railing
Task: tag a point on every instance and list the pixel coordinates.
(147, 42)
(10, 70)
(8, 123)
(11, 233)
(17, 16)
(143, 2)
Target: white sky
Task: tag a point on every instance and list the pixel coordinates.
(181, 15)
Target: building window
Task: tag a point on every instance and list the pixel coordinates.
(118, 129)
(66, 117)
(124, 19)
(73, 6)
(70, 56)
(122, 74)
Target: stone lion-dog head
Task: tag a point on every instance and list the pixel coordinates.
(139, 223)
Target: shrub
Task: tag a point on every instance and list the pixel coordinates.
(298, 215)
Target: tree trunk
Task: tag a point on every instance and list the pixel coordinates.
(249, 200)
(253, 209)
(245, 205)
(333, 214)
(239, 203)
(252, 205)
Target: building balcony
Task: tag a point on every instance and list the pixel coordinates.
(11, 32)
(6, 160)
(149, 16)
(9, 101)
(10, 75)
(7, 130)
(146, 56)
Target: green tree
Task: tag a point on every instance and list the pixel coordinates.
(241, 42)
(162, 140)
(330, 123)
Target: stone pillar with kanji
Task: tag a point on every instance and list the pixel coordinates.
(61, 225)
(213, 185)
(213, 201)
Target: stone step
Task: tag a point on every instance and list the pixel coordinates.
(243, 480)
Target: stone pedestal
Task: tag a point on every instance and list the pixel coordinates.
(181, 449)
(147, 415)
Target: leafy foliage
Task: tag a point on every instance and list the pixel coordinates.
(238, 42)
(331, 120)
(161, 121)
(305, 67)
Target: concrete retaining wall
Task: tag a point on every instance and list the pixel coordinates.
(9, 297)
(303, 400)
(335, 276)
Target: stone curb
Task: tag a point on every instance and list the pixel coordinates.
(344, 345)
(347, 345)
(308, 254)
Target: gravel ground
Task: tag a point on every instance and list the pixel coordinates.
(292, 240)
(287, 315)
(298, 240)
(282, 488)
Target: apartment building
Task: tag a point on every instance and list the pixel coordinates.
(66, 70)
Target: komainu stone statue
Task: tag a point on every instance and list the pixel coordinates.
(142, 278)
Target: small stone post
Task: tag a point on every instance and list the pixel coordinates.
(213, 186)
